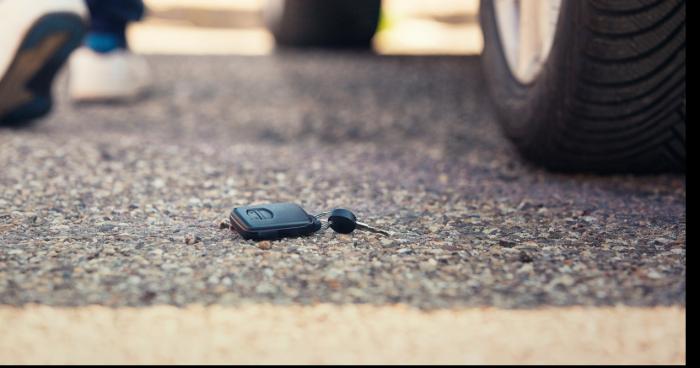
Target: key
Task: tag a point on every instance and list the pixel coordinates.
(345, 222)
(273, 221)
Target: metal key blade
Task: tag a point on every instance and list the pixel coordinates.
(372, 229)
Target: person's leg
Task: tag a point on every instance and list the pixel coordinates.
(36, 37)
(108, 20)
(105, 69)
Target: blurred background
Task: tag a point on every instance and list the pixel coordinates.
(237, 27)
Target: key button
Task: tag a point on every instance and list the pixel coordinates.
(259, 214)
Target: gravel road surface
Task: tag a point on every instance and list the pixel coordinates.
(121, 205)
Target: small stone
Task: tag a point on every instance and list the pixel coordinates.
(526, 268)
(565, 280)
(265, 288)
(224, 224)
(191, 238)
(450, 247)
(525, 257)
(428, 266)
(264, 245)
(106, 227)
(148, 296)
(507, 243)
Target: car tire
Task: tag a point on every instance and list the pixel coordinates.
(323, 23)
(610, 95)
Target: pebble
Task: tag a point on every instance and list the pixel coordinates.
(191, 238)
(526, 268)
(525, 257)
(106, 227)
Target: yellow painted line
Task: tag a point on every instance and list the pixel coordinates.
(340, 334)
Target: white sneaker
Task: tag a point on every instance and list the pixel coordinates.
(114, 75)
(36, 38)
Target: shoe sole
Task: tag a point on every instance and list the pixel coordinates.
(25, 90)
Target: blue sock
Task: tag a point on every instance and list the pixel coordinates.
(105, 42)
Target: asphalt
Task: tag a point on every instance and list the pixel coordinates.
(122, 204)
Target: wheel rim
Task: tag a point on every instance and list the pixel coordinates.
(272, 12)
(526, 29)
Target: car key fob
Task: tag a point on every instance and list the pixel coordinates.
(273, 221)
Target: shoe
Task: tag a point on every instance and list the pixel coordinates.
(36, 38)
(107, 76)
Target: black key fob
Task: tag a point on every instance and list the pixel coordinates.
(273, 221)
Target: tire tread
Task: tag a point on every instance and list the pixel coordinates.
(611, 96)
(650, 65)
